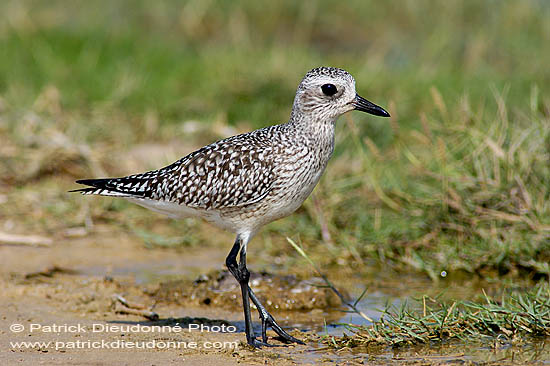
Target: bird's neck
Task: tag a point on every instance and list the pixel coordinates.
(312, 123)
(317, 133)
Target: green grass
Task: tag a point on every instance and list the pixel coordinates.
(458, 181)
(200, 59)
(511, 319)
(516, 316)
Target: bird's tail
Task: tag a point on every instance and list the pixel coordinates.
(118, 187)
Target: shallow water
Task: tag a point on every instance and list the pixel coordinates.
(452, 353)
(384, 289)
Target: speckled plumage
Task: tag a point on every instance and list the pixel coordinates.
(246, 181)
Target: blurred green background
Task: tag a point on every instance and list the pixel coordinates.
(243, 59)
(458, 181)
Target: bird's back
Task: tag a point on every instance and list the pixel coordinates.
(228, 173)
(256, 177)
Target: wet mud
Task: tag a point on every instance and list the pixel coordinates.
(102, 285)
(219, 289)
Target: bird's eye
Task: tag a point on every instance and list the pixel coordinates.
(329, 89)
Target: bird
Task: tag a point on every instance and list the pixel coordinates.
(246, 181)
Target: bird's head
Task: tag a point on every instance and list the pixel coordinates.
(326, 93)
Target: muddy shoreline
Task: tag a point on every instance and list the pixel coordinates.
(65, 299)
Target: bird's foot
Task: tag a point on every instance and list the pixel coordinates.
(256, 343)
(268, 320)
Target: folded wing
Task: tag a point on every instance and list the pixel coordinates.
(228, 173)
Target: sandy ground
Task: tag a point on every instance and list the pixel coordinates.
(62, 300)
(64, 297)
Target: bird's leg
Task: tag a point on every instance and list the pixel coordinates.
(242, 275)
(268, 320)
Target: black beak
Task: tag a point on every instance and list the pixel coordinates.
(363, 105)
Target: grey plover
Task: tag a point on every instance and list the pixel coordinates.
(246, 181)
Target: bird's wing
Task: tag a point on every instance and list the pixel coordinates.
(229, 173)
